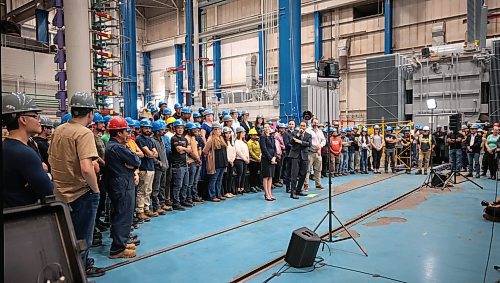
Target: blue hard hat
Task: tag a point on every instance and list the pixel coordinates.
(162, 123)
(224, 113)
(106, 119)
(349, 129)
(161, 103)
(153, 108)
(201, 109)
(344, 130)
(167, 111)
(98, 118)
(261, 128)
(177, 106)
(137, 124)
(334, 130)
(186, 110)
(179, 123)
(196, 115)
(130, 121)
(325, 130)
(156, 126)
(418, 127)
(389, 128)
(190, 125)
(355, 128)
(66, 118)
(197, 125)
(146, 123)
(407, 128)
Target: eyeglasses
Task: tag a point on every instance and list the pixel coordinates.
(36, 116)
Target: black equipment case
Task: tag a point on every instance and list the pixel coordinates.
(40, 244)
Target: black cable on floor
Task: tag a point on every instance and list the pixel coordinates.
(492, 232)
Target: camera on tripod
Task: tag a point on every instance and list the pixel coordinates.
(328, 71)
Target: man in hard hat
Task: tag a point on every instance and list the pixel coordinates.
(390, 148)
(162, 105)
(160, 166)
(71, 155)
(186, 114)
(234, 114)
(455, 140)
(178, 109)
(146, 171)
(120, 165)
(180, 173)
(439, 137)
(318, 141)
(24, 179)
(425, 147)
(105, 135)
(42, 140)
(167, 113)
(474, 142)
(406, 149)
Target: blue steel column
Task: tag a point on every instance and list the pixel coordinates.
(217, 67)
(261, 56)
(388, 27)
(178, 75)
(146, 58)
(129, 58)
(189, 46)
(289, 55)
(318, 37)
(42, 26)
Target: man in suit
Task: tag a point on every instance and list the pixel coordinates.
(287, 167)
(299, 152)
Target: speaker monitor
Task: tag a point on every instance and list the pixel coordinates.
(455, 122)
(302, 248)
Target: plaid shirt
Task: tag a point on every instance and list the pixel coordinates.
(101, 147)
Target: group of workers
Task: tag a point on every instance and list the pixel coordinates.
(130, 171)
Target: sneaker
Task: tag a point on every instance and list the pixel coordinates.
(143, 217)
(178, 207)
(130, 246)
(95, 271)
(320, 187)
(126, 253)
(185, 204)
(161, 211)
(150, 213)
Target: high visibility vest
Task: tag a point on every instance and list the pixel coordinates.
(423, 140)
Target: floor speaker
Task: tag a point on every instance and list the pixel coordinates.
(302, 248)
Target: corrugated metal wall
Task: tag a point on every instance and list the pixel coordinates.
(494, 104)
(314, 99)
(383, 87)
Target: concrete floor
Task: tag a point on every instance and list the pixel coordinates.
(444, 238)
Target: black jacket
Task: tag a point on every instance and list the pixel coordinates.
(287, 138)
(476, 147)
(267, 147)
(300, 150)
(247, 129)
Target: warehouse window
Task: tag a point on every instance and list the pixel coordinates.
(368, 10)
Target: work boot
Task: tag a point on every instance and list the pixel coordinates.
(320, 187)
(198, 200)
(166, 207)
(95, 271)
(96, 242)
(143, 217)
(161, 211)
(134, 241)
(186, 204)
(130, 246)
(419, 172)
(178, 207)
(126, 253)
(150, 213)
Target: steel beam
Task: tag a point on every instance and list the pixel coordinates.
(388, 27)
(146, 58)
(179, 80)
(261, 57)
(289, 55)
(129, 58)
(318, 37)
(42, 26)
(217, 68)
(189, 45)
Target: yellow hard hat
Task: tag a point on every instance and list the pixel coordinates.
(170, 120)
(252, 132)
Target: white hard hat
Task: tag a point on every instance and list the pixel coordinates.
(426, 128)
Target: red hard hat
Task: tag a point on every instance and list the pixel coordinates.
(117, 123)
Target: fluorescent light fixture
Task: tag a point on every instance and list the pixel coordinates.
(431, 104)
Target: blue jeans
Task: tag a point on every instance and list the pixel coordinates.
(456, 159)
(180, 178)
(474, 158)
(364, 160)
(83, 211)
(414, 153)
(345, 161)
(194, 176)
(351, 161)
(215, 184)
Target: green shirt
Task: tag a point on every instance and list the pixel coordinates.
(492, 141)
(105, 138)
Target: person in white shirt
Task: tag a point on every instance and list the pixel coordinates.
(318, 141)
(234, 115)
(227, 179)
(242, 160)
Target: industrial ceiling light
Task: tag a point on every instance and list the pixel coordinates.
(431, 104)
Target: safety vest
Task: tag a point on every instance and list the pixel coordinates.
(425, 143)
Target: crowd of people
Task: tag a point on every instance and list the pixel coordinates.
(117, 173)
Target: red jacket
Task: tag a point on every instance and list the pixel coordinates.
(335, 145)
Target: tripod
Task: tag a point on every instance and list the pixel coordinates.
(330, 213)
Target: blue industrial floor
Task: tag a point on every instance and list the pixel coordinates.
(444, 238)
